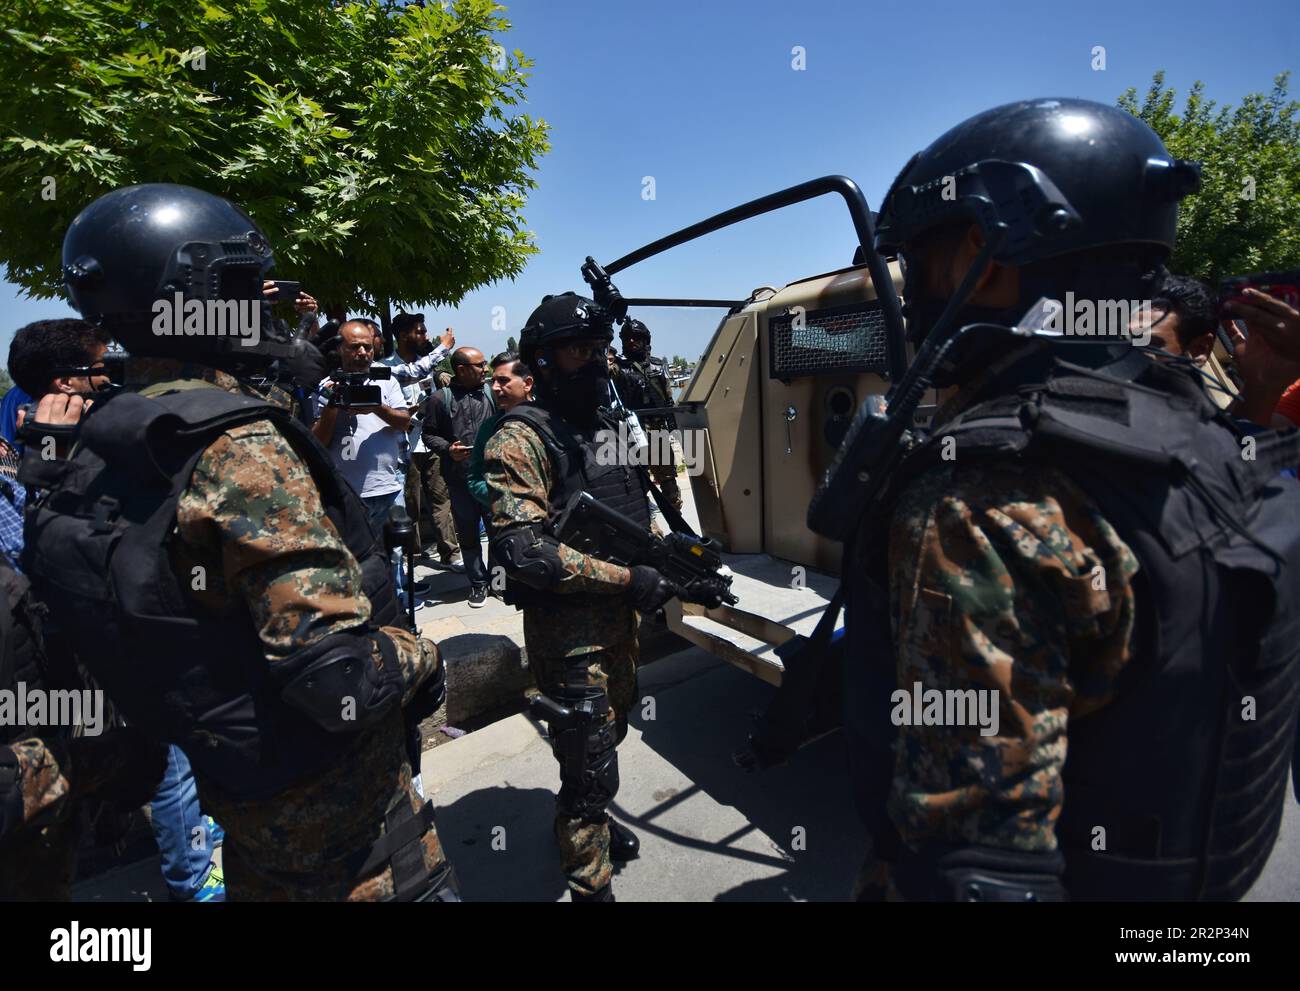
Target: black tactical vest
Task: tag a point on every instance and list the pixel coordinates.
(97, 544)
(22, 652)
(1186, 770)
(644, 384)
(576, 455)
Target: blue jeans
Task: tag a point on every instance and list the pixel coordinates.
(378, 507)
(180, 829)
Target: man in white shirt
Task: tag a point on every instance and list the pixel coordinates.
(366, 441)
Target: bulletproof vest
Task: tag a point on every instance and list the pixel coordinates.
(573, 451)
(643, 383)
(1186, 770)
(98, 541)
(22, 654)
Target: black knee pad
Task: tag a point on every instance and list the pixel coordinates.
(589, 796)
(588, 759)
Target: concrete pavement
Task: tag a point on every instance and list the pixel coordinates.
(709, 831)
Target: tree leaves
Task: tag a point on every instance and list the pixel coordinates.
(364, 137)
(1244, 218)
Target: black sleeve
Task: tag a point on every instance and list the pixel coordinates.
(436, 425)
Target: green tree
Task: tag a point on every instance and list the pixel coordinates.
(6, 383)
(1244, 219)
(372, 141)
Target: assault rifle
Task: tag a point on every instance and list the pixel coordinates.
(691, 563)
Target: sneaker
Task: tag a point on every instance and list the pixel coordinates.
(421, 589)
(456, 563)
(216, 834)
(214, 888)
(477, 597)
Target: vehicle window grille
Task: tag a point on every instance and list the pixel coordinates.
(835, 340)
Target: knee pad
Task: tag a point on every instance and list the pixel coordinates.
(586, 750)
(529, 555)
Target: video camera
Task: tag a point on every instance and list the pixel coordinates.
(354, 388)
(1281, 285)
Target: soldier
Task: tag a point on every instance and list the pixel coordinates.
(580, 613)
(1080, 543)
(642, 382)
(239, 600)
(47, 775)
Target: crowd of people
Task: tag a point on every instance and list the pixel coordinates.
(225, 516)
(282, 516)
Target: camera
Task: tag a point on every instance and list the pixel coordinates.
(353, 388)
(1282, 285)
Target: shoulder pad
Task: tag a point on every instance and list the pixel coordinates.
(151, 437)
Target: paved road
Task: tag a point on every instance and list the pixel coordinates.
(709, 832)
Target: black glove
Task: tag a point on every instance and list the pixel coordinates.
(306, 366)
(649, 590)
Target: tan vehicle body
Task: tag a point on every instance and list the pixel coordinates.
(765, 444)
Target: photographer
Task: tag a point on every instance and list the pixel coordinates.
(364, 439)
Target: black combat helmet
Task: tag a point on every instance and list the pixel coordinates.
(140, 244)
(633, 327)
(1061, 175)
(565, 317)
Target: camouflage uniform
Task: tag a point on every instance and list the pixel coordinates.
(53, 778)
(591, 639)
(993, 585)
(252, 518)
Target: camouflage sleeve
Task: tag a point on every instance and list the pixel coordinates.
(1007, 580)
(517, 471)
(418, 657)
(45, 777)
(35, 775)
(253, 519)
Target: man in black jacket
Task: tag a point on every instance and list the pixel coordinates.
(455, 414)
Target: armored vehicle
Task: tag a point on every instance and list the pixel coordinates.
(769, 402)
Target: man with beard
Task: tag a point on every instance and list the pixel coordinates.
(580, 613)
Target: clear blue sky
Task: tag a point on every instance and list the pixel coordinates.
(701, 95)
